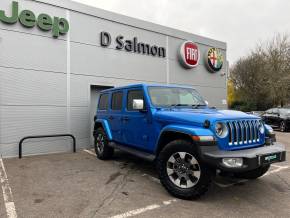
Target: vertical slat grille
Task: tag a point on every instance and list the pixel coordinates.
(243, 132)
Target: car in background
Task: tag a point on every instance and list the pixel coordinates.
(256, 113)
(278, 117)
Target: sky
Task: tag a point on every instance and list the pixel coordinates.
(242, 24)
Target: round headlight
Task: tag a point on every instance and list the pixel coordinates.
(261, 128)
(221, 130)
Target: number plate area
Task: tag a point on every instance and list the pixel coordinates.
(270, 158)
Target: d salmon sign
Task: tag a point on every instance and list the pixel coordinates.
(214, 59)
(189, 54)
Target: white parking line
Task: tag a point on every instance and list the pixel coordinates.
(90, 152)
(276, 170)
(152, 178)
(144, 209)
(7, 193)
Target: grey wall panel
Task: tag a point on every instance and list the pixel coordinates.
(80, 86)
(195, 76)
(121, 19)
(92, 60)
(37, 8)
(21, 50)
(80, 123)
(92, 26)
(20, 121)
(26, 87)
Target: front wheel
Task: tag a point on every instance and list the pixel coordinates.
(253, 174)
(181, 171)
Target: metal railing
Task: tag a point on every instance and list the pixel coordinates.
(46, 136)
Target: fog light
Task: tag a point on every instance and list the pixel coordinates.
(233, 162)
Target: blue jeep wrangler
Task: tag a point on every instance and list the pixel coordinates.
(189, 141)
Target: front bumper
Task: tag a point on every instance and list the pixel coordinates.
(252, 158)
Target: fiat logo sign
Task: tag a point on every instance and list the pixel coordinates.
(189, 54)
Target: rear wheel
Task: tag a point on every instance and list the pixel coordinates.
(102, 149)
(253, 174)
(181, 171)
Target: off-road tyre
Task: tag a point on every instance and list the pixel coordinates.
(253, 174)
(205, 175)
(102, 149)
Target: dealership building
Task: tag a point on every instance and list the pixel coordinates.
(57, 55)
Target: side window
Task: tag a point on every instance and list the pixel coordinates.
(117, 101)
(134, 94)
(103, 102)
(275, 111)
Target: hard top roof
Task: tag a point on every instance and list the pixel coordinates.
(142, 85)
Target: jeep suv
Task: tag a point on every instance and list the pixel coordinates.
(189, 141)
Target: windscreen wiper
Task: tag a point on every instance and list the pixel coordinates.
(198, 105)
(179, 105)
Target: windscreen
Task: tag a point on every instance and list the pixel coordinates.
(174, 96)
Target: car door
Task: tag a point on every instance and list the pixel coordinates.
(267, 116)
(275, 118)
(136, 127)
(115, 115)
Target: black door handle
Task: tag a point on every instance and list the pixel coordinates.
(111, 117)
(126, 118)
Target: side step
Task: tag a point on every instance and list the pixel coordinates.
(135, 152)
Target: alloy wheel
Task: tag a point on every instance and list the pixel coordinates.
(100, 143)
(183, 170)
(282, 127)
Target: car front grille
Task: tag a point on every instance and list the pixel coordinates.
(243, 132)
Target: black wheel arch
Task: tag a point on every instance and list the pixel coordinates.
(171, 135)
(97, 125)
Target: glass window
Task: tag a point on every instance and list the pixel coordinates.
(285, 111)
(104, 102)
(117, 100)
(134, 94)
(175, 96)
(275, 111)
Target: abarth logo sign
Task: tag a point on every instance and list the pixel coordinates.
(214, 59)
(189, 54)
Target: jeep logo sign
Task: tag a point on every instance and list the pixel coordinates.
(57, 26)
(189, 54)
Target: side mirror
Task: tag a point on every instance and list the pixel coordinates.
(138, 104)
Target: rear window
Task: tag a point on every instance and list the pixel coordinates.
(104, 102)
(117, 100)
